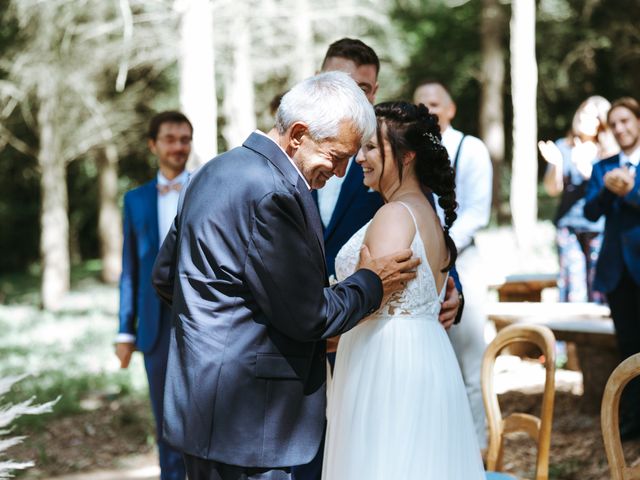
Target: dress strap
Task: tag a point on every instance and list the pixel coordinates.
(415, 223)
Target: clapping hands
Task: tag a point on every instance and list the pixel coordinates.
(619, 181)
(550, 153)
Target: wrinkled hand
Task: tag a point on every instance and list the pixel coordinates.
(124, 350)
(550, 152)
(619, 181)
(449, 307)
(395, 270)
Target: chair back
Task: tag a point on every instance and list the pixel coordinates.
(609, 417)
(538, 428)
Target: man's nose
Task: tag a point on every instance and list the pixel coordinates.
(341, 169)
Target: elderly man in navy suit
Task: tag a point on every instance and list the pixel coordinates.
(614, 191)
(145, 322)
(244, 269)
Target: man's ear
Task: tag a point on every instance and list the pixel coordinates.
(373, 93)
(452, 111)
(297, 131)
(152, 146)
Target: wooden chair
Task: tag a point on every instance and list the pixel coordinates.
(609, 416)
(538, 428)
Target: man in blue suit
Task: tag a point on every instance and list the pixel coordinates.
(614, 191)
(145, 321)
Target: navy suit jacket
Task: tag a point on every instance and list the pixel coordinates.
(244, 268)
(139, 303)
(621, 245)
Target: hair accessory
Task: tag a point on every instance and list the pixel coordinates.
(431, 137)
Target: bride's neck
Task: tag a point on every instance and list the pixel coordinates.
(407, 187)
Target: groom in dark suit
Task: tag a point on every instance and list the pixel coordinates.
(144, 321)
(244, 268)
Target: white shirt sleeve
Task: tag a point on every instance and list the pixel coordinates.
(474, 185)
(125, 338)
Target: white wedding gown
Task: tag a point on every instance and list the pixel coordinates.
(397, 406)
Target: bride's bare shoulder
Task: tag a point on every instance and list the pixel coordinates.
(391, 229)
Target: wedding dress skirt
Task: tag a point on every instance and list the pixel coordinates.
(397, 406)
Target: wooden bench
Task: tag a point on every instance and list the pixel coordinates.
(524, 287)
(587, 325)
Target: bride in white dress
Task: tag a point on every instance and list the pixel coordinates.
(398, 409)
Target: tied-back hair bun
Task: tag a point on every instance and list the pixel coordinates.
(411, 128)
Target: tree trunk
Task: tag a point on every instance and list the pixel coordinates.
(491, 107)
(54, 219)
(305, 61)
(239, 105)
(197, 79)
(109, 219)
(524, 79)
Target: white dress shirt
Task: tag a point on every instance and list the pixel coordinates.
(328, 195)
(167, 209)
(168, 203)
(632, 159)
(474, 177)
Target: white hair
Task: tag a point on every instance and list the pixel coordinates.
(323, 102)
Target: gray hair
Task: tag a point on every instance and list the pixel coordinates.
(323, 102)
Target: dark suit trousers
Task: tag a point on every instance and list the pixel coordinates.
(624, 302)
(155, 362)
(202, 469)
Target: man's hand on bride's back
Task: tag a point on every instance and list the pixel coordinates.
(395, 270)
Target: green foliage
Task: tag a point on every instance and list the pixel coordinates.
(86, 62)
(443, 43)
(583, 49)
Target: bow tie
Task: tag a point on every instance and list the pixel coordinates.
(166, 188)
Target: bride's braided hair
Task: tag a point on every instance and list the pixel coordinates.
(411, 128)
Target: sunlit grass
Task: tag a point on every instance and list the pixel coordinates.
(68, 353)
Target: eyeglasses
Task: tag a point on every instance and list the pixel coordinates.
(171, 140)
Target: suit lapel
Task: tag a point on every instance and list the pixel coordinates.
(350, 186)
(268, 149)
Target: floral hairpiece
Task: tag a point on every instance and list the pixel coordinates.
(431, 137)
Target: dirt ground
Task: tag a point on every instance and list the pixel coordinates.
(87, 441)
(577, 451)
(100, 438)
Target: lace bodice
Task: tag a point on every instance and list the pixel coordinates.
(419, 298)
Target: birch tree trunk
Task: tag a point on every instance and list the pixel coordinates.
(491, 106)
(239, 97)
(198, 99)
(54, 220)
(524, 79)
(109, 218)
(305, 64)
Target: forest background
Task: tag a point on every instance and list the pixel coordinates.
(79, 80)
